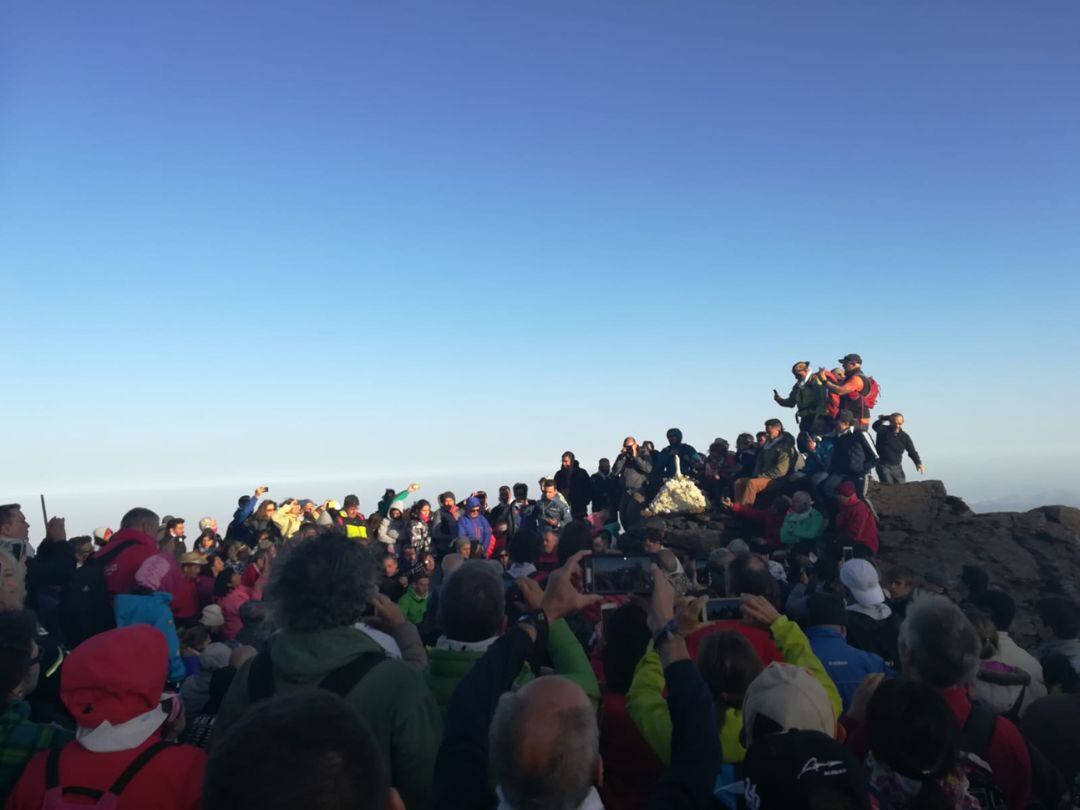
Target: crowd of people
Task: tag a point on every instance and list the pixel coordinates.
(450, 655)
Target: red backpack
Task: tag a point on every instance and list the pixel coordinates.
(871, 396)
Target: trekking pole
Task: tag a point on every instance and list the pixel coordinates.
(44, 515)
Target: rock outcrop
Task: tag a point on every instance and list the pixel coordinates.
(1028, 554)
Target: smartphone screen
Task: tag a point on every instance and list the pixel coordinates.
(610, 573)
(606, 611)
(717, 610)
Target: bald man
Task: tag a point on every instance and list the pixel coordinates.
(545, 746)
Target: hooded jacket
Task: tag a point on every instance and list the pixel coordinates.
(153, 610)
(775, 459)
(392, 698)
(120, 572)
(116, 677)
(477, 529)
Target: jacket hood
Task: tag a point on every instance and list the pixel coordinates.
(115, 676)
(305, 657)
(472, 503)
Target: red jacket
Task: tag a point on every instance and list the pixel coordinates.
(631, 768)
(769, 521)
(120, 572)
(172, 780)
(855, 523)
(185, 599)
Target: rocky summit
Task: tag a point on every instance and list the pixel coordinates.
(1028, 554)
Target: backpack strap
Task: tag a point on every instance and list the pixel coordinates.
(978, 731)
(344, 678)
(52, 772)
(140, 762)
(52, 768)
(261, 678)
(114, 552)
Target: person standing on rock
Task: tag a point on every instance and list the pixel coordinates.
(853, 391)
(892, 443)
(808, 396)
(574, 484)
(633, 468)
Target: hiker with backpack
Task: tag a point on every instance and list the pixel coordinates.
(858, 393)
(121, 756)
(319, 590)
(87, 607)
(808, 396)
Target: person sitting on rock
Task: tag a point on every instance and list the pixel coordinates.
(768, 521)
(803, 524)
(852, 456)
(892, 443)
(773, 464)
(855, 523)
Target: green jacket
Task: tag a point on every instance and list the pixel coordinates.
(809, 401)
(414, 607)
(648, 709)
(392, 698)
(447, 667)
(809, 528)
(775, 460)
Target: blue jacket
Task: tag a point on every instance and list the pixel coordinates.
(153, 609)
(846, 665)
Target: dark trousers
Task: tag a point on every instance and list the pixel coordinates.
(891, 473)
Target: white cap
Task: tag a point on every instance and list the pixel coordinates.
(861, 578)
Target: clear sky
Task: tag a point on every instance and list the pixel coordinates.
(246, 242)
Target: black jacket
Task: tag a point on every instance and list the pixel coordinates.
(575, 486)
(443, 530)
(850, 456)
(892, 444)
(606, 492)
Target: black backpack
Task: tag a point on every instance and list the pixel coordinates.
(975, 740)
(85, 610)
(339, 681)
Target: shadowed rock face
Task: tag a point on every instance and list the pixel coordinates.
(1028, 554)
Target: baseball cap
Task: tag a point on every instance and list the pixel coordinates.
(789, 696)
(102, 534)
(845, 416)
(784, 771)
(850, 358)
(861, 578)
(802, 365)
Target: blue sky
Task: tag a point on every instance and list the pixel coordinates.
(268, 241)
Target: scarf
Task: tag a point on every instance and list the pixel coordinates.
(876, 612)
(123, 736)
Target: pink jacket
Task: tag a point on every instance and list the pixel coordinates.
(230, 608)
